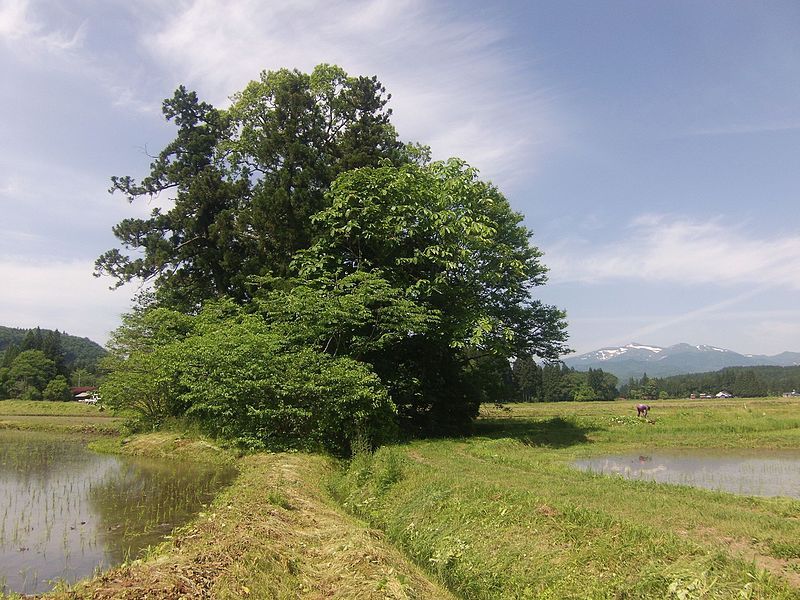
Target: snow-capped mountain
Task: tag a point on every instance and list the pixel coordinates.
(632, 360)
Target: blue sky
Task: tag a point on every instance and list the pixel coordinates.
(652, 146)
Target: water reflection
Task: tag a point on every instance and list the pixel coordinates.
(751, 472)
(66, 511)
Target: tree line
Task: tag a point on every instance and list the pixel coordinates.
(555, 382)
(42, 364)
(743, 382)
(316, 281)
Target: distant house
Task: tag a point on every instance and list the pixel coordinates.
(724, 394)
(85, 393)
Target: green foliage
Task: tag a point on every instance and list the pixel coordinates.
(555, 382)
(142, 364)
(357, 315)
(4, 383)
(241, 378)
(57, 389)
(68, 352)
(451, 243)
(527, 379)
(744, 382)
(29, 373)
(448, 240)
(83, 377)
(247, 181)
(316, 280)
(247, 385)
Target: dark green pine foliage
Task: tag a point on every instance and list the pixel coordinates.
(190, 251)
(527, 379)
(246, 182)
(33, 340)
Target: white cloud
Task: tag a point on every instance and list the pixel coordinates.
(453, 88)
(662, 249)
(22, 30)
(60, 295)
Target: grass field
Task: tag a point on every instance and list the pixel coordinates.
(67, 417)
(503, 515)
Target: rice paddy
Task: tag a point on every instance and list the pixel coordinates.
(66, 512)
(746, 472)
(504, 513)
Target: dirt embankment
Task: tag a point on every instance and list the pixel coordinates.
(274, 533)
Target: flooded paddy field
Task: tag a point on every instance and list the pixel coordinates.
(747, 472)
(66, 512)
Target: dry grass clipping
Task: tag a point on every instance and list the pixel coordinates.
(273, 534)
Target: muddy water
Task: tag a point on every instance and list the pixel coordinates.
(66, 512)
(747, 472)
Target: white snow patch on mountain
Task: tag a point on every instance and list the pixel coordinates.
(606, 354)
(651, 348)
(713, 348)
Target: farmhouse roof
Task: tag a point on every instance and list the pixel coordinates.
(80, 390)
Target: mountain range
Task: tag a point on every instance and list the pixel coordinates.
(633, 360)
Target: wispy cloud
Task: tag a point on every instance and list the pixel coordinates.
(452, 85)
(704, 312)
(20, 28)
(743, 129)
(54, 38)
(658, 248)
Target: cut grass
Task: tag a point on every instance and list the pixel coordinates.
(503, 515)
(274, 533)
(167, 445)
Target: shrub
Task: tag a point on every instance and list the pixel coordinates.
(57, 389)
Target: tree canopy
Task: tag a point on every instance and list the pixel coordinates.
(316, 280)
(246, 181)
(33, 359)
(449, 242)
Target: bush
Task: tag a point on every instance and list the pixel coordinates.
(57, 389)
(245, 383)
(238, 378)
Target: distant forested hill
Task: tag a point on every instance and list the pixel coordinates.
(77, 352)
(740, 381)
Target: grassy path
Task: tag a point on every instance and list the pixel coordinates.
(502, 515)
(273, 534)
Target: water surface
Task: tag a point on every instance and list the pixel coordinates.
(748, 472)
(66, 512)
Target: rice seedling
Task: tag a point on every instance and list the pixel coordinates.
(67, 510)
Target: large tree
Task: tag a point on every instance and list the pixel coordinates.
(244, 182)
(352, 262)
(450, 242)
